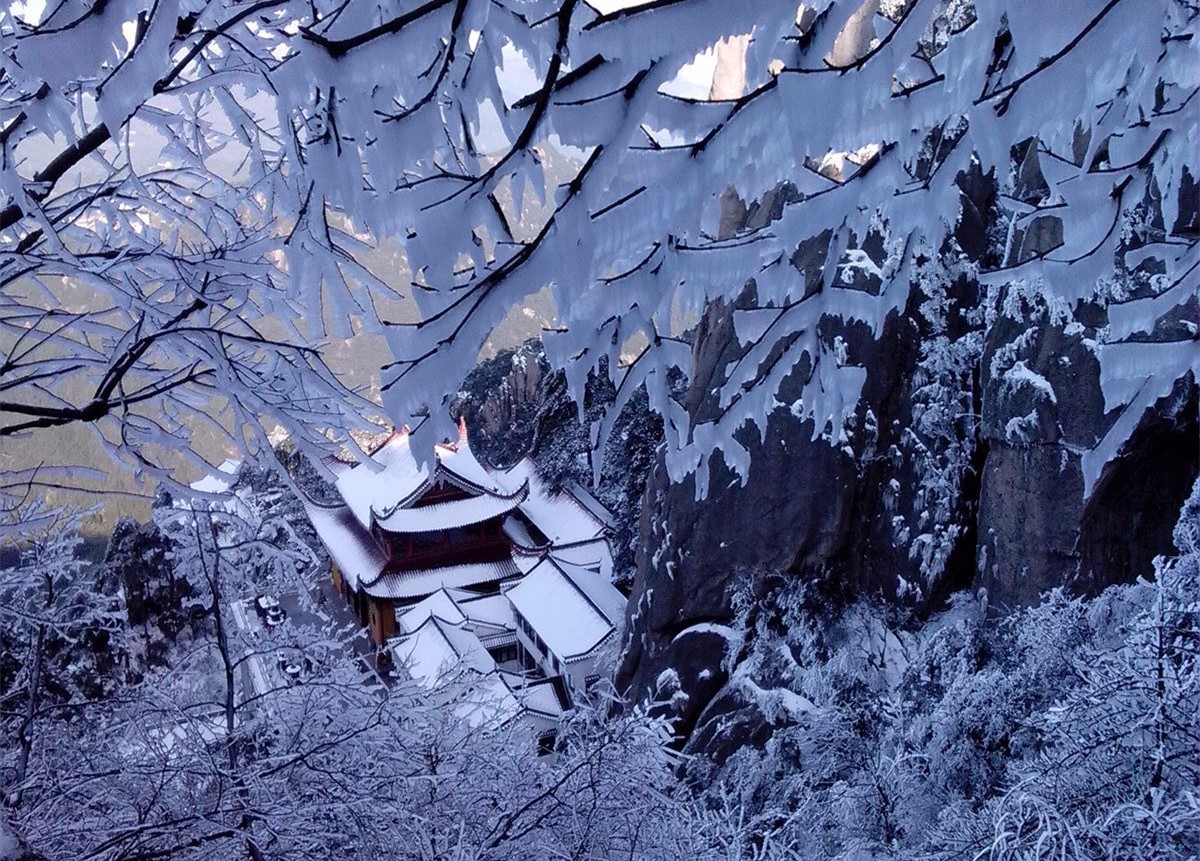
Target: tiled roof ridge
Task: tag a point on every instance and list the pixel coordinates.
(308, 502)
(522, 492)
(416, 572)
(579, 589)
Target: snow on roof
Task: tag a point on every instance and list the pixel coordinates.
(496, 638)
(488, 700)
(393, 478)
(600, 592)
(460, 462)
(537, 695)
(584, 497)
(436, 650)
(390, 477)
(453, 514)
(467, 646)
(335, 464)
(487, 616)
(571, 608)
(440, 604)
(420, 582)
(459, 595)
(526, 560)
(492, 610)
(518, 533)
(594, 554)
(560, 516)
(350, 546)
(382, 490)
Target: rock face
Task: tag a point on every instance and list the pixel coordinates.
(690, 552)
(817, 510)
(500, 401)
(961, 467)
(516, 406)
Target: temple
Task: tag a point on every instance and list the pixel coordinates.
(454, 567)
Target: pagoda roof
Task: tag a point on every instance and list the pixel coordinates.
(543, 696)
(488, 616)
(572, 608)
(561, 516)
(595, 555)
(437, 649)
(452, 514)
(490, 610)
(437, 652)
(353, 549)
(458, 461)
(419, 582)
(440, 604)
(564, 530)
(394, 479)
(594, 507)
(388, 478)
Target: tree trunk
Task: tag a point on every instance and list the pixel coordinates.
(25, 733)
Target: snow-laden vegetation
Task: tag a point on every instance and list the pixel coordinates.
(1070, 730)
(201, 200)
(202, 187)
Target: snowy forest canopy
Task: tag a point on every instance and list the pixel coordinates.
(200, 199)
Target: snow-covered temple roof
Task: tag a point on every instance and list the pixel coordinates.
(491, 610)
(557, 540)
(573, 609)
(452, 514)
(583, 496)
(383, 488)
(419, 582)
(543, 696)
(353, 550)
(459, 463)
(440, 604)
(551, 566)
(562, 517)
(386, 491)
(437, 650)
(390, 476)
(214, 492)
(458, 606)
